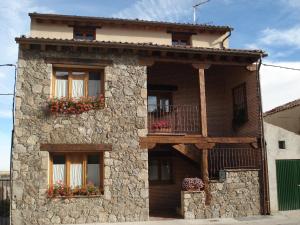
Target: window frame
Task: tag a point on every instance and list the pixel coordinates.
(71, 77)
(84, 31)
(160, 95)
(177, 37)
(235, 106)
(82, 157)
(160, 159)
(281, 144)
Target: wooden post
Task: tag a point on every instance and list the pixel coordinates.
(203, 126)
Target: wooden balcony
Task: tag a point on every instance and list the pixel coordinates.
(173, 119)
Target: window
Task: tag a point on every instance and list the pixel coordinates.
(84, 33)
(160, 169)
(240, 111)
(181, 39)
(159, 101)
(76, 83)
(281, 144)
(77, 169)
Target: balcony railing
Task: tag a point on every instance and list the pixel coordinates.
(178, 119)
(220, 158)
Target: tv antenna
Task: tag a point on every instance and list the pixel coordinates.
(195, 8)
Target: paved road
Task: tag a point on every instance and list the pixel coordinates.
(281, 218)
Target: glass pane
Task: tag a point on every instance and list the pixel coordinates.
(165, 104)
(61, 74)
(77, 88)
(61, 88)
(94, 84)
(78, 73)
(165, 170)
(93, 170)
(59, 169)
(76, 175)
(152, 103)
(153, 169)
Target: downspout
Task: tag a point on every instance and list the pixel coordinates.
(222, 42)
(12, 143)
(264, 163)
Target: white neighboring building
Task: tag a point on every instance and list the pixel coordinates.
(282, 126)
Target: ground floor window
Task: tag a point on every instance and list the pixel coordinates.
(160, 169)
(77, 170)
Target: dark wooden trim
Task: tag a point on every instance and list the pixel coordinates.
(154, 87)
(181, 32)
(79, 61)
(75, 147)
(152, 140)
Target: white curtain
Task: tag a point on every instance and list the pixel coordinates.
(76, 175)
(94, 88)
(61, 88)
(93, 174)
(77, 88)
(58, 173)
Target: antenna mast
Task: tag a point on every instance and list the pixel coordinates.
(195, 8)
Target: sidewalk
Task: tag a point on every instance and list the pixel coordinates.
(280, 218)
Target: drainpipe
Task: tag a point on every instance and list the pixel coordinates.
(222, 42)
(264, 163)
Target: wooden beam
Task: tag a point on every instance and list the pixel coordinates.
(84, 63)
(75, 147)
(146, 62)
(203, 124)
(193, 139)
(204, 145)
(188, 152)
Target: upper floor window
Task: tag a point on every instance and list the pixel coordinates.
(240, 110)
(84, 33)
(77, 83)
(159, 102)
(181, 39)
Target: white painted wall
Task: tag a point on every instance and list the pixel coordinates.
(273, 134)
(288, 119)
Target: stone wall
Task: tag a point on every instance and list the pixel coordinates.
(120, 123)
(237, 196)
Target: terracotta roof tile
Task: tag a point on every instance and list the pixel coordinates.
(286, 106)
(241, 52)
(129, 21)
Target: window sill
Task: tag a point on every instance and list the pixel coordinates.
(76, 196)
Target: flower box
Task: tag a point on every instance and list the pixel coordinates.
(75, 106)
(161, 126)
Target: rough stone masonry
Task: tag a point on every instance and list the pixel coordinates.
(237, 196)
(120, 123)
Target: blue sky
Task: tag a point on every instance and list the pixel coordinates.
(272, 25)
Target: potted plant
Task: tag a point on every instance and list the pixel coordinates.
(192, 184)
(162, 126)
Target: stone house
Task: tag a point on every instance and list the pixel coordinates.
(282, 136)
(113, 114)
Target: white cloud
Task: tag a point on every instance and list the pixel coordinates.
(14, 21)
(161, 10)
(5, 146)
(281, 37)
(279, 86)
(291, 3)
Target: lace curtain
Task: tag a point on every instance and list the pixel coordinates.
(61, 88)
(58, 173)
(77, 88)
(76, 175)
